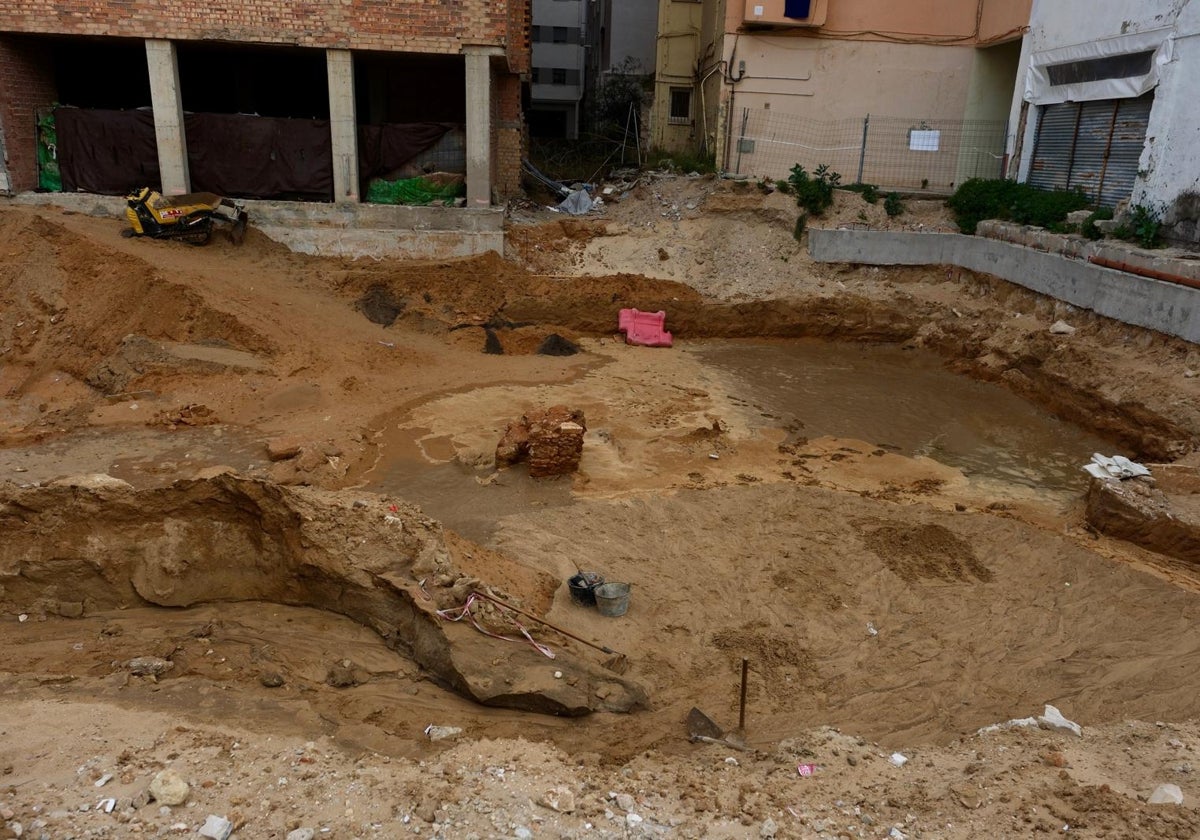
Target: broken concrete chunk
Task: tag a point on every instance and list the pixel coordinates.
(442, 733)
(216, 828)
(560, 799)
(1061, 328)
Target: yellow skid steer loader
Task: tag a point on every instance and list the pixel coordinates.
(188, 218)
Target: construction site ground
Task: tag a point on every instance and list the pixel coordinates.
(864, 481)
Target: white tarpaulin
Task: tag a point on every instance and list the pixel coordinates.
(1040, 91)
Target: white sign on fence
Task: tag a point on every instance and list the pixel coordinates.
(924, 140)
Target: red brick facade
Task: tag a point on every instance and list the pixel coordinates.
(28, 84)
(415, 26)
(429, 26)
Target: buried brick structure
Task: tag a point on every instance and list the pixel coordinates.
(551, 440)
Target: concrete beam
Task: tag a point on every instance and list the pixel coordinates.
(167, 101)
(343, 126)
(479, 125)
(1153, 304)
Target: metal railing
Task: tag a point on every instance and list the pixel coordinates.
(894, 152)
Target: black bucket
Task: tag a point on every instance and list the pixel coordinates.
(583, 588)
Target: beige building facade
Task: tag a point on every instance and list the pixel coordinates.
(770, 88)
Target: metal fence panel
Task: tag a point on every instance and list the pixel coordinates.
(894, 152)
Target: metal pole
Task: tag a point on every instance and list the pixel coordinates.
(742, 708)
(745, 119)
(862, 153)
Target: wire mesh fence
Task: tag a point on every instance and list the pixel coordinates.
(893, 152)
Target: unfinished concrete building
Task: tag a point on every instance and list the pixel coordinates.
(271, 100)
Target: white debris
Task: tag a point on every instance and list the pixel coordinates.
(1166, 794)
(1061, 328)
(103, 780)
(898, 759)
(1118, 466)
(1052, 718)
(871, 631)
(441, 733)
(106, 805)
(1015, 723)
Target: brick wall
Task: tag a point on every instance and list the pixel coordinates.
(508, 134)
(26, 85)
(438, 26)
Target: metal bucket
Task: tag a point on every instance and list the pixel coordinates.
(612, 599)
(583, 588)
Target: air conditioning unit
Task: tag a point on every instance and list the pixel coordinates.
(779, 13)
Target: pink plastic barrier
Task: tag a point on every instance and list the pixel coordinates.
(644, 328)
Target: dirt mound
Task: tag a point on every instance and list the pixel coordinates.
(926, 551)
(83, 546)
(68, 303)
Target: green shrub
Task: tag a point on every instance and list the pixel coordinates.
(979, 199)
(1089, 228)
(814, 192)
(869, 192)
(892, 204)
(1145, 224)
(783, 186)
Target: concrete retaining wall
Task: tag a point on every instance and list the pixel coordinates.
(1154, 304)
(358, 230)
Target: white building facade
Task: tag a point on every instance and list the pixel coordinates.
(559, 36)
(1107, 102)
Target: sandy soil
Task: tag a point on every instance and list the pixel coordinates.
(885, 601)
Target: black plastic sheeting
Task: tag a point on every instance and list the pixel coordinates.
(236, 155)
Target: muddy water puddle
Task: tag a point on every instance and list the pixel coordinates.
(468, 500)
(141, 456)
(906, 401)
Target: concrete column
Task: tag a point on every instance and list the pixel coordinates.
(167, 100)
(479, 126)
(343, 125)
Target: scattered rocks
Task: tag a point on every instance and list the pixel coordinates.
(1061, 328)
(169, 788)
(768, 829)
(301, 834)
(427, 810)
(284, 448)
(625, 802)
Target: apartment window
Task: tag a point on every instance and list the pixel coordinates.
(560, 34)
(559, 76)
(681, 106)
(535, 34)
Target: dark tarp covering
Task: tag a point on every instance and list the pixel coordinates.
(237, 155)
(106, 152)
(383, 148)
(245, 156)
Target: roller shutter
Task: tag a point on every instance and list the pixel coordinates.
(1093, 146)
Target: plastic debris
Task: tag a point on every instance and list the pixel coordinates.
(898, 759)
(871, 631)
(578, 203)
(1116, 467)
(1166, 794)
(644, 328)
(806, 770)
(1052, 718)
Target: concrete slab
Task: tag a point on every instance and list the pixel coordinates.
(347, 230)
(1153, 304)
